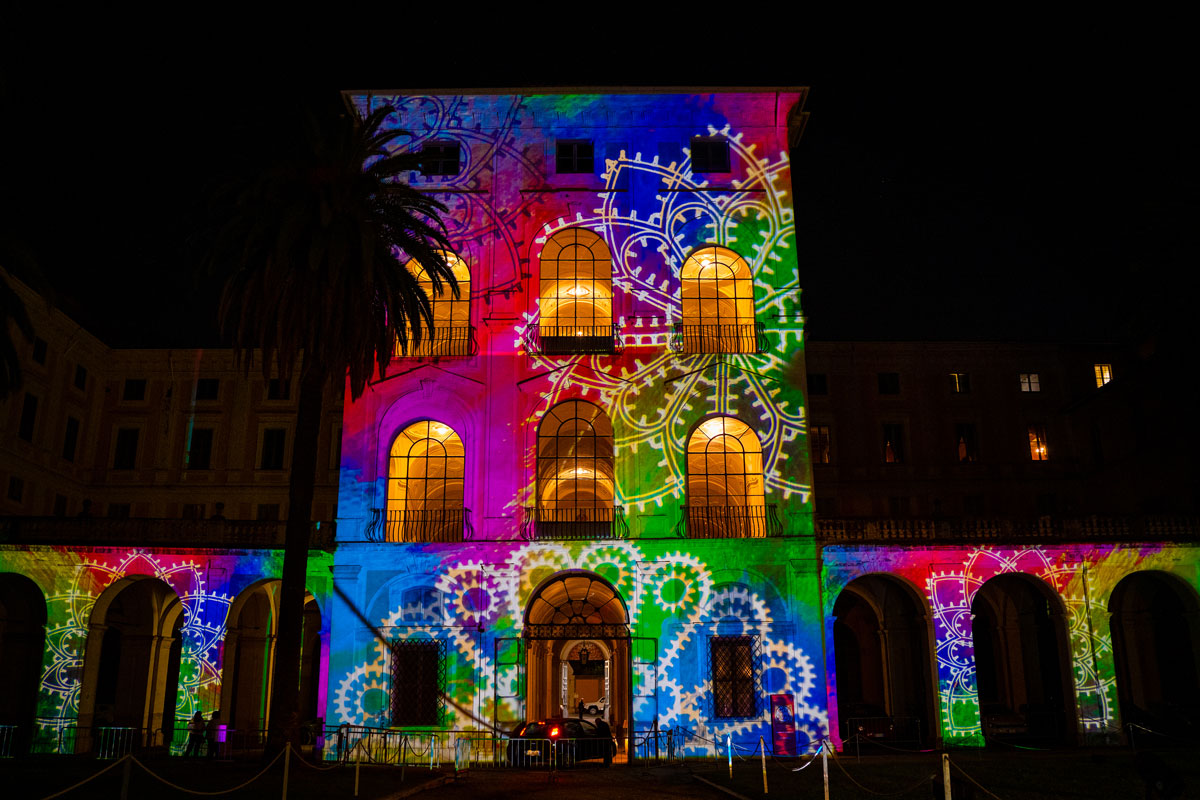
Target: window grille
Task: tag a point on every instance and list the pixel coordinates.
(733, 676)
(717, 310)
(425, 484)
(418, 678)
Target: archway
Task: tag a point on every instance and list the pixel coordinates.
(578, 650)
(1155, 627)
(883, 661)
(131, 668)
(22, 645)
(1021, 661)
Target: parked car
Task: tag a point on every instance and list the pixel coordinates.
(598, 707)
(560, 742)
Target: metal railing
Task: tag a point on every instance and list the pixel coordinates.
(750, 337)
(729, 522)
(1003, 529)
(554, 340)
(449, 341)
(149, 531)
(885, 729)
(420, 525)
(599, 522)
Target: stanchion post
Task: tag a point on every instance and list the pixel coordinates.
(729, 754)
(762, 748)
(946, 775)
(403, 756)
(825, 766)
(357, 762)
(287, 764)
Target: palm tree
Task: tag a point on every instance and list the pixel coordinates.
(310, 253)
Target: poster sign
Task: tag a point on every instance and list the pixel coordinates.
(783, 725)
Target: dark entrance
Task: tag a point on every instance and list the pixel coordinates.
(22, 643)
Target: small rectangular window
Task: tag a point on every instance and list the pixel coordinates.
(16, 489)
(28, 417)
(965, 442)
(125, 451)
(1030, 382)
(39, 350)
(207, 388)
(821, 442)
(417, 668)
(818, 383)
(710, 154)
(80, 377)
(1038, 451)
(960, 383)
(60, 505)
(268, 512)
(1103, 374)
(889, 383)
(70, 439)
(135, 390)
(119, 510)
(199, 454)
(279, 389)
(733, 676)
(439, 158)
(273, 441)
(574, 156)
(893, 443)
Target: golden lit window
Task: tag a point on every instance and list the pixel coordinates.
(717, 310)
(725, 480)
(820, 443)
(575, 465)
(451, 334)
(1037, 443)
(575, 294)
(425, 484)
(1103, 374)
(1030, 382)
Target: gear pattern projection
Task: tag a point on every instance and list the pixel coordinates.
(1082, 577)
(670, 595)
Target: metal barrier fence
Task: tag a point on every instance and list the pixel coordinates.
(7, 734)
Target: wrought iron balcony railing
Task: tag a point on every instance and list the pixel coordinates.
(454, 342)
(200, 533)
(729, 522)
(747, 338)
(981, 530)
(552, 340)
(602, 522)
(420, 525)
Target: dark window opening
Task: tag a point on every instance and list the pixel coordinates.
(70, 439)
(439, 158)
(16, 489)
(574, 156)
(207, 388)
(272, 448)
(135, 390)
(899, 506)
(80, 377)
(268, 512)
(200, 448)
(960, 383)
(973, 505)
(119, 510)
(417, 682)
(710, 154)
(889, 383)
(818, 383)
(125, 452)
(193, 510)
(821, 443)
(60, 505)
(966, 442)
(39, 350)
(733, 676)
(28, 417)
(279, 389)
(826, 506)
(893, 443)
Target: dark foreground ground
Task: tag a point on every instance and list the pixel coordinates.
(1014, 775)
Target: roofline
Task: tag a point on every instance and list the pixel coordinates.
(550, 90)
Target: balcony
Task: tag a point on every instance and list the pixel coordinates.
(695, 339)
(139, 532)
(420, 525)
(443, 342)
(545, 524)
(729, 522)
(1005, 530)
(550, 340)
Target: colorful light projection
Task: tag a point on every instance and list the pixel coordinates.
(73, 579)
(1081, 576)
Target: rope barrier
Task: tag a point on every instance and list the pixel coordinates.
(319, 769)
(177, 787)
(914, 787)
(972, 780)
(875, 743)
(85, 780)
(811, 761)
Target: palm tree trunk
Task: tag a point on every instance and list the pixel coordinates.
(285, 680)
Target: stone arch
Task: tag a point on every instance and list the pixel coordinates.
(1022, 660)
(22, 650)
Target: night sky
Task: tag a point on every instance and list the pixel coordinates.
(950, 199)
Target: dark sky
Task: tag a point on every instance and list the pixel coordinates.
(950, 199)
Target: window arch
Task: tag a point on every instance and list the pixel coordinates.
(575, 294)
(425, 484)
(717, 291)
(452, 334)
(575, 481)
(725, 480)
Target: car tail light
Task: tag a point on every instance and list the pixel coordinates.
(554, 732)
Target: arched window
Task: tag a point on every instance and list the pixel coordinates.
(425, 484)
(452, 334)
(718, 303)
(575, 294)
(725, 481)
(575, 486)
